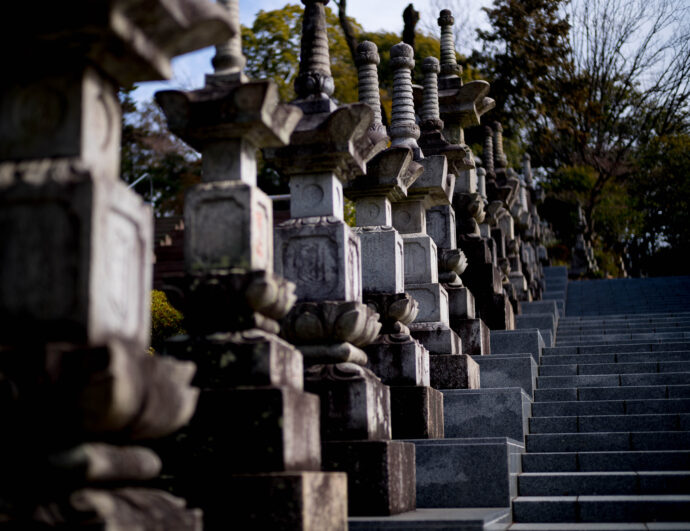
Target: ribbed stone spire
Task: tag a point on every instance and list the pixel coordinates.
(449, 63)
(430, 109)
(404, 131)
(314, 79)
(500, 160)
(367, 60)
(229, 60)
(488, 153)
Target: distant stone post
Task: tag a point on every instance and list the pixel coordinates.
(255, 426)
(319, 252)
(75, 270)
(399, 360)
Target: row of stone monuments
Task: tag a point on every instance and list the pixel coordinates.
(318, 347)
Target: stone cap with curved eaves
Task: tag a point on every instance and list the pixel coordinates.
(251, 111)
(129, 40)
(336, 142)
(465, 105)
(390, 173)
(435, 185)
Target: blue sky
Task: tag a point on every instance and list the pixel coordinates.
(189, 69)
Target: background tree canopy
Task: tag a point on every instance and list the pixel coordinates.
(597, 91)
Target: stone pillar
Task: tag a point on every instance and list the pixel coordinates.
(449, 368)
(255, 426)
(399, 360)
(81, 390)
(318, 252)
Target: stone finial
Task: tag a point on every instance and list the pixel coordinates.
(488, 153)
(527, 169)
(367, 60)
(449, 63)
(500, 160)
(404, 131)
(314, 79)
(229, 60)
(431, 116)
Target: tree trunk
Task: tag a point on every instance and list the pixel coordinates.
(348, 30)
(410, 17)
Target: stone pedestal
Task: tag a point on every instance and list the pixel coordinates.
(457, 371)
(417, 413)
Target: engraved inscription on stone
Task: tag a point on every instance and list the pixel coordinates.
(311, 262)
(427, 304)
(220, 232)
(415, 260)
(312, 195)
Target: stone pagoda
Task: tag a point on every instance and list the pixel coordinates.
(323, 257)
(255, 424)
(398, 359)
(75, 274)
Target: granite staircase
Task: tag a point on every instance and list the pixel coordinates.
(609, 439)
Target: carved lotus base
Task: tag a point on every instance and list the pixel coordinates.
(396, 310)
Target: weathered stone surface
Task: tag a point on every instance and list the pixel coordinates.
(435, 183)
(461, 304)
(228, 224)
(75, 260)
(250, 358)
(322, 256)
(487, 413)
(285, 501)
(382, 259)
(381, 474)
(453, 372)
(421, 260)
(515, 341)
(475, 336)
(355, 405)
(469, 472)
(319, 194)
(437, 337)
(433, 302)
(395, 310)
(514, 370)
(279, 430)
(417, 412)
(399, 360)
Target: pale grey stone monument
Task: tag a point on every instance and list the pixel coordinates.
(255, 426)
(318, 252)
(449, 367)
(398, 359)
(75, 270)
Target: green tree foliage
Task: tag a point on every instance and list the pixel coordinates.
(166, 321)
(148, 148)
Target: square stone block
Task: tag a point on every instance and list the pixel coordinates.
(399, 363)
(486, 413)
(545, 322)
(294, 501)
(454, 372)
(515, 370)
(466, 182)
(434, 182)
(316, 195)
(474, 472)
(421, 260)
(517, 341)
(417, 413)
(255, 358)
(380, 475)
(75, 259)
(249, 430)
(383, 259)
(322, 258)
(461, 303)
(433, 302)
(374, 211)
(497, 312)
(437, 337)
(475, 336)
(355, 405)
(228, 224)
(440, 225)
(533, 307)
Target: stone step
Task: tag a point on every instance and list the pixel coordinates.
(610, 423)
(607, 441)
(574, 369)
(622, 339)
(672, 346)
(609, 526)
(568, 333)
(627, 316)
(622, 357)
(636, 320)
(610, 407)
(606, 461)
(640, 508)
(590, 483)
(631, 392)
(612, 380)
